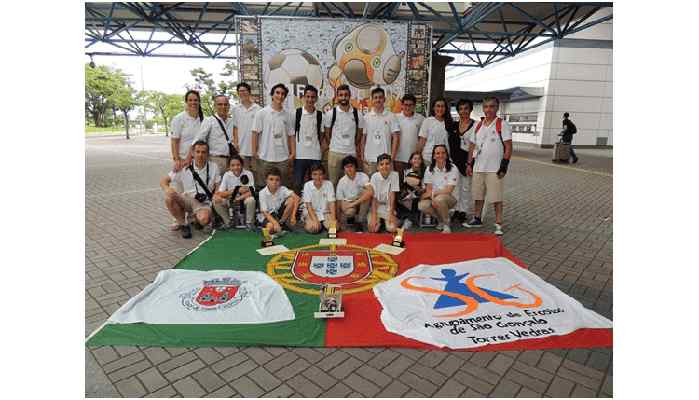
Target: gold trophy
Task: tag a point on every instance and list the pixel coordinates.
(330, 302)
(332, 230)
(398, 240)
(266, 238)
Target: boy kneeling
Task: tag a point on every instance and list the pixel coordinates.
(319, 198)
(354, 194)
(236, 190)
(385, 185)
(277, 203)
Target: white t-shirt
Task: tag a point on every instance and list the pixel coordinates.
(274, 128)
(307, 144)
(243, 119)
(230, 180)
(349, 189)
(271, 202)
(379, 128)
(409, 128)
(211, 133)
(466, 137)
(382, 186)
(488, 147)
(185, 128)
(344, 131)
(318, 198)
(441, 178)
(185, 177)
(435, 133)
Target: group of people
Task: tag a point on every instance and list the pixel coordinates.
(373, 172)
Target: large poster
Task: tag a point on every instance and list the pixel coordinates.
(326, 53)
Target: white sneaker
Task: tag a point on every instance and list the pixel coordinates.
(498, 230)
(446, 228)
(439, 226)
(407, 224)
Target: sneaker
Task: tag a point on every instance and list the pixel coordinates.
(498, 229)
(186, 231)
(575, 160)
(250, 227)
(446, 229)
(473, 223)
(407, 224)
(439, 226)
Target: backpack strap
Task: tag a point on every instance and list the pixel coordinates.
(319, 123)
(297, 124)
(332, 122)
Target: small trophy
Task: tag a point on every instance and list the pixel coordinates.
(266, 238)
(330, 302)
(332, 230)
(398, 240)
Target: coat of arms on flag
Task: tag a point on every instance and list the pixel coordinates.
(356, 268)
(214, 294)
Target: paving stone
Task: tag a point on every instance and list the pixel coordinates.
(528, 393)
(345, 368)
(281, 391)
(578, 378)
(123, 362)
(581, 391)
(185, 370)
(449, 365)
(355, 395)
(550, 362)
(338, 390)
(258, 355)
(156, 355)
(374, 375)
(208, 355)
(246, 387)
(413, 354)
(238, 371)
(167, 391)
(505, 388)
(483, 358)
(264, 379)
(422, 385)
(527, 381)
(607, 385)
(320, 377)
(208, 379)
(451, 388)
(471, 381)
(414, 394)
(433, 358)
(303, 386)
(579, 355)
(382, 359)
(582, 369)
(229, 362)
(129, 371)
(360, 354)
(394, 389)
(292, 369)
(178, 361)
(427, 373)
(152, 379)
(105, 355)
(397, 366)
(309, 355)
(599, 361)
(130, 388)
(362, 385)
(482, 373)
(500, 364)
(470, 393)
(188, 387)
(224, 391)
(281, 361)
(560, 387)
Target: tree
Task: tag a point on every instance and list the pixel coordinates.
(208, 88)
(123, 97)
(100, 86)
(163, 105)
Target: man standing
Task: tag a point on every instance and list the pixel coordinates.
(243, 117)
(488, 159)
(343, 129)
(194, 199)
(409, 124)
(308, 128)
(566, 135)
(273, 143)
(217, 132)
(381, 134)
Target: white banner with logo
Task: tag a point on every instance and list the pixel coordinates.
(479, 302)
(179, 296)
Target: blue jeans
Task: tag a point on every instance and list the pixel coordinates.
(300, 168)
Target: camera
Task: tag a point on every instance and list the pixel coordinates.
(200, 197)
(244, 180)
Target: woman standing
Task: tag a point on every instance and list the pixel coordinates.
(458, 144)
(434, 129)
(185, 126)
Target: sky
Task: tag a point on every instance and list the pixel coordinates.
(167, 75)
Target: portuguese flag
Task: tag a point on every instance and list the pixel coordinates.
(357, 266)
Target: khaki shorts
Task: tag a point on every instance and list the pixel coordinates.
(221, 163)
(335, 170)
(191, 205)
(487, 186)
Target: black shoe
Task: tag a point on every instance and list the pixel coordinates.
(186, 231)
(474, 223)
(575, 160)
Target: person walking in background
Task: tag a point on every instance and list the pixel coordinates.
(566, 135)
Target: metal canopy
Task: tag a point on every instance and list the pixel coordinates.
(478, 33)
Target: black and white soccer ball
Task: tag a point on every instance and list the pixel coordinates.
(296, 69)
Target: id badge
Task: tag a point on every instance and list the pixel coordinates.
(377, 137)
(345, 138)
(278, 139)
(308, 140)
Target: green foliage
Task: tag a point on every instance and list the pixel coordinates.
(107, 90)
(208, 88)
(164, 106)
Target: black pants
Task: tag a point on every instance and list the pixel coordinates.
(413, 213)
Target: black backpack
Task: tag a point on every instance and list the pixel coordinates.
(319, 122)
